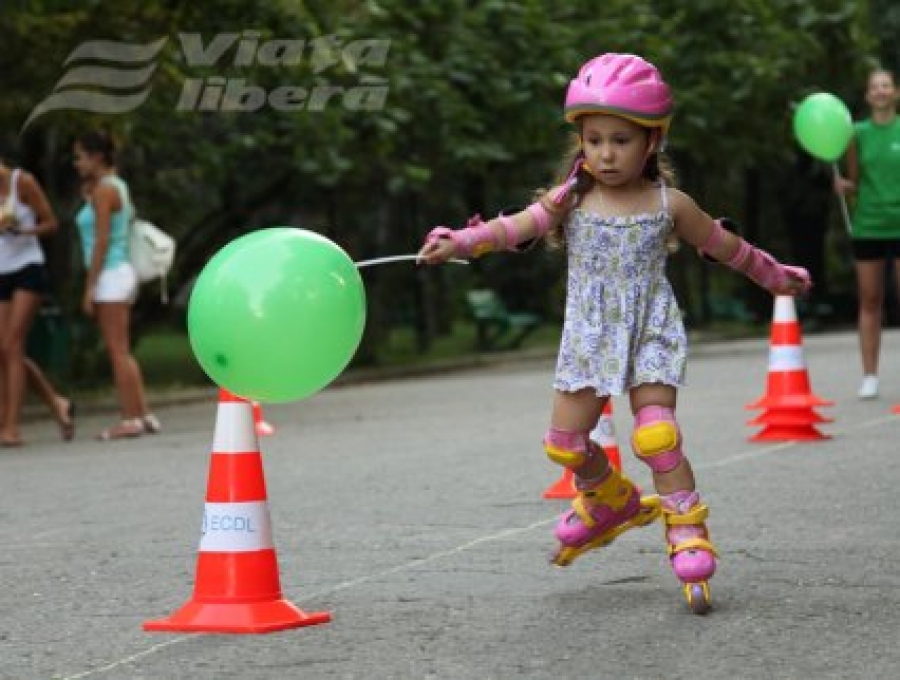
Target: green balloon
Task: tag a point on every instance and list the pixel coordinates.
(823, 126)
(277, 314)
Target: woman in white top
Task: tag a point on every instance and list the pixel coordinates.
(25, 216)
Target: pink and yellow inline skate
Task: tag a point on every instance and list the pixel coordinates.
(602, 511)
(692, 555)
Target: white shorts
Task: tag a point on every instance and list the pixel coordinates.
(117, 284)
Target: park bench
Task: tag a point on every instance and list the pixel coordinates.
(497, 327)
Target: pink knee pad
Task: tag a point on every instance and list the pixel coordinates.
(657, 438)
(566, 448)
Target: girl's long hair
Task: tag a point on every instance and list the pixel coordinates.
(658, 167)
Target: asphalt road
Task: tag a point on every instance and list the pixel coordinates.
(411, 510)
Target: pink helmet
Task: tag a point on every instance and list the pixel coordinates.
(622, 85)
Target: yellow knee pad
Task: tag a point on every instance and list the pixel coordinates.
(658, 444)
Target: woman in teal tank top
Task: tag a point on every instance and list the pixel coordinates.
(873, 175)
(111, 283)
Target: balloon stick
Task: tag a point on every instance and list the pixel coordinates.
(843, 199)
(397, 258)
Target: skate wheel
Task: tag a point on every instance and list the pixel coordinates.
(697, 595)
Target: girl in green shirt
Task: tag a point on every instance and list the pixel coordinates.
(873, 175)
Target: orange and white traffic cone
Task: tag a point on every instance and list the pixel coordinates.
(789, 401)
(263, 428)
(604, 436)
(237, 587)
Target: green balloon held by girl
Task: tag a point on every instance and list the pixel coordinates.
(276, 315)
(823, 126)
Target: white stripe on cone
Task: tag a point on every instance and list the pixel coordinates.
(785, 311)
(235, 429)
(786, 358)
(603, 434)
(236, 527)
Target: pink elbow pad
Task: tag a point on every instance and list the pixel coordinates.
(716, 236)
(541, 218)
(513, 239)
(510, 235)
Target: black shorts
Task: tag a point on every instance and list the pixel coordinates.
(31, 277)
(870, 249)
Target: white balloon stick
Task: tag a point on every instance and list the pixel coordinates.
(397, 258)
(844, 212)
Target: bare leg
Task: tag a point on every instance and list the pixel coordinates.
(870, 288)
(42, 387)
(5, 311)
(18, 317)
(61, 407)
(114, 318)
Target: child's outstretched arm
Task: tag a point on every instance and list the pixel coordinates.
(711, 238)
(505, 232)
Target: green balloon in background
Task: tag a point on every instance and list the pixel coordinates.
(277, 314)
(823, 126)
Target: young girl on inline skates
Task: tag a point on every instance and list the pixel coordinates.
(623, 330)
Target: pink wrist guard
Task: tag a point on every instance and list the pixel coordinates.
(476, 239)
(765, 270)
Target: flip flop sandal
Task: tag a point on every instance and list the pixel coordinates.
(127, 429)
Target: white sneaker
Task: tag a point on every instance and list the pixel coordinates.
(152, 424)
(869, 387)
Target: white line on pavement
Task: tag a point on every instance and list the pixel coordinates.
(128, 659)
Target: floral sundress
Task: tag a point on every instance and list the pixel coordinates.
(623, 326)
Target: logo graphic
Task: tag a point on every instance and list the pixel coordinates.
(103, 76)
(111, 77)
